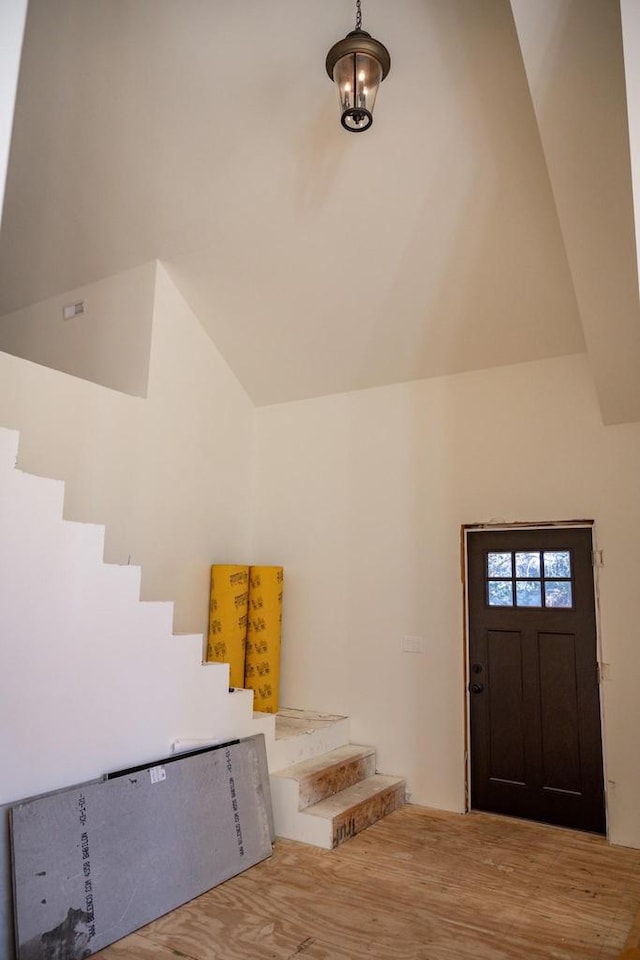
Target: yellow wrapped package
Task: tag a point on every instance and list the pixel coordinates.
(262, 665)
(228, 618)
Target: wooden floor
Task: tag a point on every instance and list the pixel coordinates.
(418, 885)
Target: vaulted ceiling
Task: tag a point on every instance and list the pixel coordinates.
(485, 219)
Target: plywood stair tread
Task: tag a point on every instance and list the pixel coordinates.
(329, 773)
(356, 808)
(347, 800)
(325, 762)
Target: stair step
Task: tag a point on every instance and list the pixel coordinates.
(360, 805)
(292, 722)
(321, 777)
(303, 734)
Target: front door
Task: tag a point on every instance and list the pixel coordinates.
(536, 749)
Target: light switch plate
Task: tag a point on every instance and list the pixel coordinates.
(413, 644)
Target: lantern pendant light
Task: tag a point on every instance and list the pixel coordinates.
(358, 65)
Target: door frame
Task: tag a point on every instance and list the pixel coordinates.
(465, 530)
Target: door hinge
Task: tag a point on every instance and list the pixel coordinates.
(597, 558)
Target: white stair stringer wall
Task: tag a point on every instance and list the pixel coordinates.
(91, 678)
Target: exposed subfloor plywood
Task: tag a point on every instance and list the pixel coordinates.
(418, 885)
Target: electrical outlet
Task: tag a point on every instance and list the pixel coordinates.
(413, 645)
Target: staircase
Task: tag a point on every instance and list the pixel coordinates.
(324, 789)
(94, 680)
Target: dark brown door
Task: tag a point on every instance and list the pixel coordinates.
(536, 749)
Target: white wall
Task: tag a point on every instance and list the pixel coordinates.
(92, 679)
(362, 496)
(109, 343)
(168, 475)
(12, 18)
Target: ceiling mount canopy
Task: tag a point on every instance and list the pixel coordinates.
(357, 65)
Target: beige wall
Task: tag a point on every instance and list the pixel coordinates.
(109, 343)
(168, 475)
(362, 496)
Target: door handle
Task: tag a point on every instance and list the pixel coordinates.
(476, 687)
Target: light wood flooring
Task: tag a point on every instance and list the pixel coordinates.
(418, 885)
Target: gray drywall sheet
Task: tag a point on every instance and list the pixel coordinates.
(6, 915)
(97, 861)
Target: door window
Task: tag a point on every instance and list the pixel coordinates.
(529, 578)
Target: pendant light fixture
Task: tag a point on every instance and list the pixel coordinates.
(357, 65)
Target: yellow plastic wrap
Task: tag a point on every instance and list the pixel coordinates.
(228, 618)
(262, 666)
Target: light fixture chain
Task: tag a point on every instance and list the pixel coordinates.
(358, 15)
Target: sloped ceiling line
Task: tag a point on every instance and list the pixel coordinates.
(317, 261)
(573, 56)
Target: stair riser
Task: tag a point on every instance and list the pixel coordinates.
(307, 745)
(356, 819)
(328, 782)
